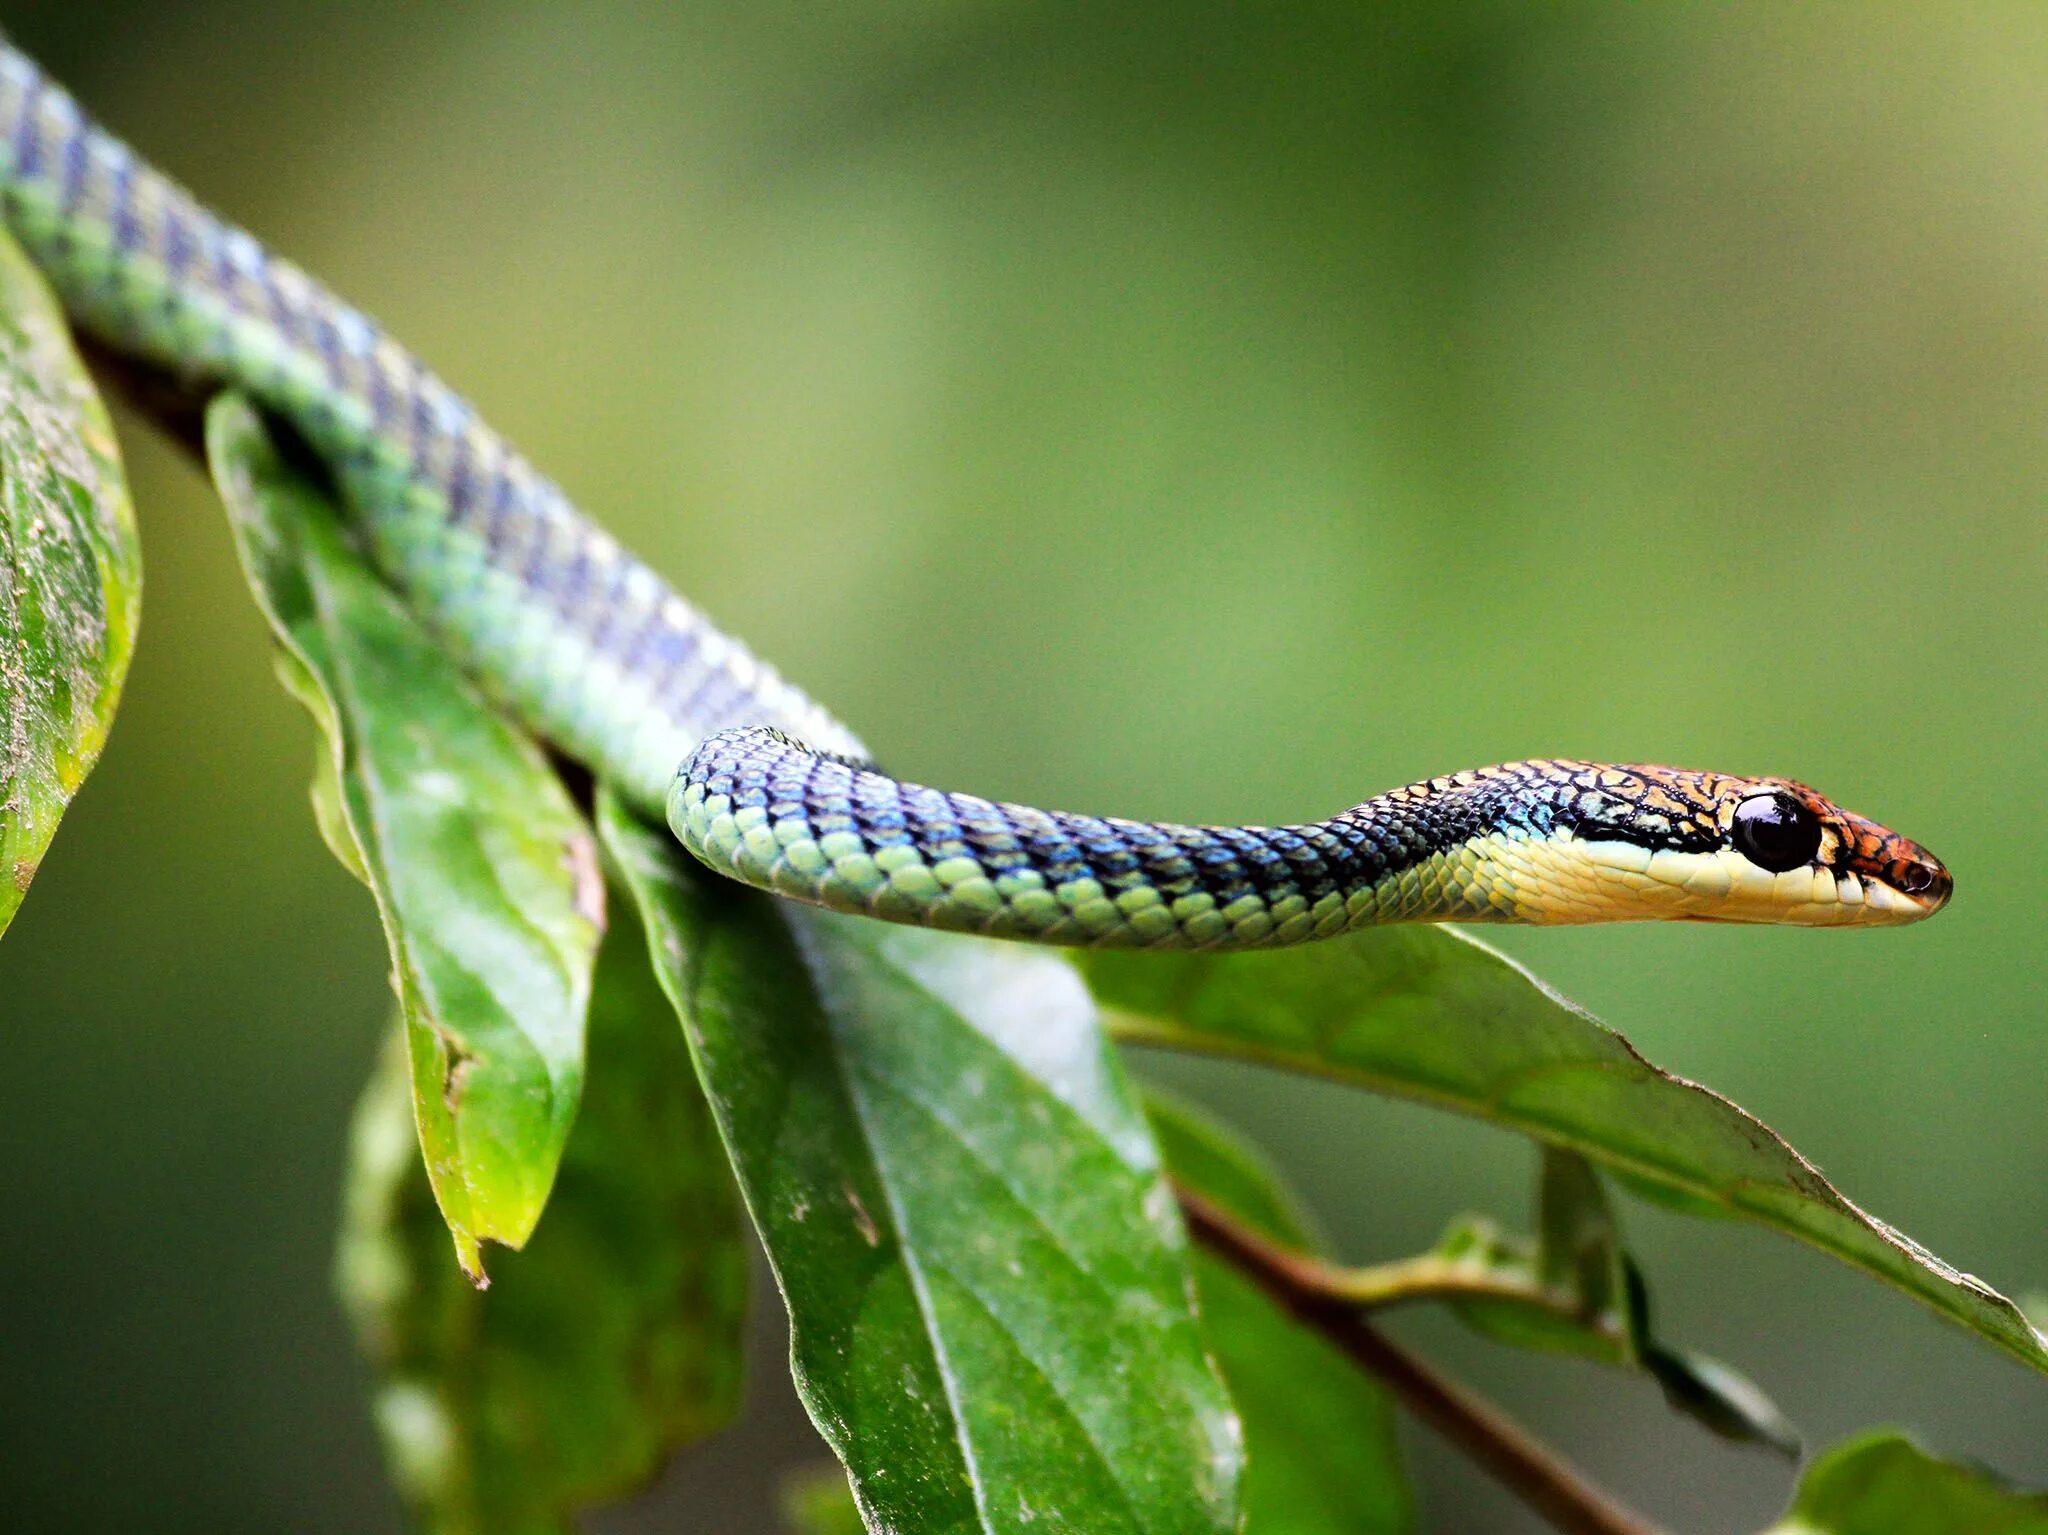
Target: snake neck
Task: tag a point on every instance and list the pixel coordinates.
(579, 639)
(765, 809)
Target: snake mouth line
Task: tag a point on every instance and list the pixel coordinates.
(1919, 879)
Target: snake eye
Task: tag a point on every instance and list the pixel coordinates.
(1776, 832)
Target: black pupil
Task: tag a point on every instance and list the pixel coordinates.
(1775, 832)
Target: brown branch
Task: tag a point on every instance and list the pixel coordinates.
(1526, 1468)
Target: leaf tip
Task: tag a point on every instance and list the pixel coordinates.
(469, 1257)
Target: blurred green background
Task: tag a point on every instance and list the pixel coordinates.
(1177, 409)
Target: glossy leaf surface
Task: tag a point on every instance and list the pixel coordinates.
(986, 1278)
(485, 874)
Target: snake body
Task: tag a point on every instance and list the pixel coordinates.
(596, 653)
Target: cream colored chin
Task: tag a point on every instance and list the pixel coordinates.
(1573, 881)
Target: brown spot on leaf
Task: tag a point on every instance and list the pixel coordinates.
(460, 1064)
(24, 872)
(863, 1222)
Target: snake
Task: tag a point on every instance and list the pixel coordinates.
(591, 650)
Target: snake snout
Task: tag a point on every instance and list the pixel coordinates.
(1882, 857)
(1922, 876)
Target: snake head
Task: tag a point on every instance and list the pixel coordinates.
(1714, 847)
(1775, 819)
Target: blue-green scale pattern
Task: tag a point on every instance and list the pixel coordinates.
(576, 636)
(765, 808)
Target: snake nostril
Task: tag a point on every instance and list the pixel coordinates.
(1915, 878)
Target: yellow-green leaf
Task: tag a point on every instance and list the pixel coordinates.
(70, 574)
(485, 874)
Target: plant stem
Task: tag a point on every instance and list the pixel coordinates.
(1528, 1469)
(1410, 1281)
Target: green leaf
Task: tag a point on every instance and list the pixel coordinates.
(1566, 1292)
(2034, 1303)
(1430, 1014)
(1201, 1155)
(1578, 1248)
(70, 574)
(1882, 1484)
(988, 1295)
(1321, 1456)
(614, 1338)
(1491, 1280)
(1721, 1398)
(484, 873)
(817, 1501)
